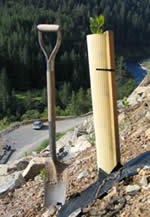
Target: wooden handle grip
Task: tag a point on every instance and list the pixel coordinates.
(48, 27)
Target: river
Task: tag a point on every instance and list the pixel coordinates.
(137, 71)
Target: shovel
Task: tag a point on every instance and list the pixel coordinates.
(55, 173)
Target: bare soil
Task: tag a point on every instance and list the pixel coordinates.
(27, 201)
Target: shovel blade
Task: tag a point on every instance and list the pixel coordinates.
(55, 194)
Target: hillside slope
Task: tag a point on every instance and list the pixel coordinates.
(130, 197)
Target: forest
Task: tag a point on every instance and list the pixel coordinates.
(22, 64)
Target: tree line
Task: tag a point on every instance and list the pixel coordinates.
(22, 61)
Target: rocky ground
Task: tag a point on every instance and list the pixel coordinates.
(130, 197)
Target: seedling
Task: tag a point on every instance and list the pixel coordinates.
(125, 102)
(42, 173)
(127, 120)
(96, 24)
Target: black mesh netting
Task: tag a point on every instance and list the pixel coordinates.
(82, 199)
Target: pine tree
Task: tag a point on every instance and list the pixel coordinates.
(64, 93)
(4, 91)
(44, 96)
(28, 101)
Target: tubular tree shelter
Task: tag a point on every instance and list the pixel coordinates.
(103, 87)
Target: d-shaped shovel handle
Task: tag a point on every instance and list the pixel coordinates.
(48, 27)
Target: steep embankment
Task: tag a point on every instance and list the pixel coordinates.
(130, 197)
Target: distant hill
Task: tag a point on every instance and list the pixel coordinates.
(20, 53)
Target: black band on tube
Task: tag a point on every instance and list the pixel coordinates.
(112, 70)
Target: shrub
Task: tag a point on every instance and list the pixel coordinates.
(59, 111)
(30, 114)
(45, 113)
(126, 89)
(4, 123)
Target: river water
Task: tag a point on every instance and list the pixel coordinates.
(137, 71)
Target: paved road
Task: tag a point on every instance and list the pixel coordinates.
(26, 139)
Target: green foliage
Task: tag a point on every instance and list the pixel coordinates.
(26, 154)
(30, 115)
(21, 55)
(44, 97)
(42, 173)
(22, 64)
(125, 102)
(59, 111)
(45, 143)
(80, 103)
(59, 135)
(64, 93)
(126, 121)
(4, 123)
(4, 92)
(126, 89)
(28, 100)
(96, 24)
(148, 71)
(44, 114)
(121, 74)
(125, 83)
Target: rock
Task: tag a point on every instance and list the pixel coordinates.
(147, 187)
(121, 117)
(67, 140)
(70, 145)
(90, 128)
(134, 100)
(144, 146)
(34, 154)
(64, 153)
(49, 212)
(18, 165)
(88, 125)
(112, 194)
(22, 164)
(87, 122)
(82, 174)
(132, 188)
(144, 180)
(128, 197)
(75, 213)
(140, 90)
(10, 182)
(147, 133)
(144, 171)
(61, 149)
(34, 168)
(3, 169)
(45, 152)
(148, 116)
(119, 105)
(148, 199)
(81, 144)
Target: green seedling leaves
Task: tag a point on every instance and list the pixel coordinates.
(42, 173)
(125, 102)
(96, 24)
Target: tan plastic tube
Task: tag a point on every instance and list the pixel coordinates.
(103, 88)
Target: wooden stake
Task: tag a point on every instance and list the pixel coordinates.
(113, 97)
